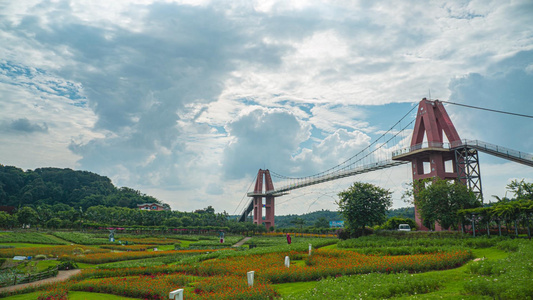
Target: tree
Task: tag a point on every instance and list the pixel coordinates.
(439, 200)
(298, 221)
(27, 216)
(521, 189)
(173, 222)
(54, 223)
(5, 219)
(364, 204)
(322, 223)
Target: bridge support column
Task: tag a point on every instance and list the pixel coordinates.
(258, 196)
(429, 161)
(269, 212)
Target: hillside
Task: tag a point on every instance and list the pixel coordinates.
(53, 186)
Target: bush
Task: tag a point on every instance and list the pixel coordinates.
(39, 257)
(346, 233)
(67, 265)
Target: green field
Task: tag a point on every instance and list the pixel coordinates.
(418, 266)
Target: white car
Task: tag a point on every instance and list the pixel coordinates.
(404, 227)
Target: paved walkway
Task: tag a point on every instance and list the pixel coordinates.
(241, 242)
(61, 276)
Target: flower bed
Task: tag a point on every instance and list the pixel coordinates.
(49, 251)
(159, 285)
(143, 286)
(99, 258)
(324, 263)
(127, 248)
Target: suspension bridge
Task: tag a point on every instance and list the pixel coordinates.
(428, 152)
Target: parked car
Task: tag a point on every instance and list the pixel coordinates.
(404, 227)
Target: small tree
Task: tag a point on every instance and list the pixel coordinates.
(364, 204)
(27, 216)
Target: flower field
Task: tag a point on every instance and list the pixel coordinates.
(221, 274)
(324, 263)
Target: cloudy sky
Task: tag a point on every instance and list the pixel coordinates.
(186, 100)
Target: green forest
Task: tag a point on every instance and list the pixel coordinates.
(54, 186)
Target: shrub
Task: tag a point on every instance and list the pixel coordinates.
(39, 257)
(346, 233)
(67, 265)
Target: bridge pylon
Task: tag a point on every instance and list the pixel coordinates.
(258, 195)
(429, 154)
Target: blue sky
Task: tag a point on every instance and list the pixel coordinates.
(186, 100)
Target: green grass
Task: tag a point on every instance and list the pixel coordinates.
(294, 288)
(85, 266)
(72, 296)
(24, 245)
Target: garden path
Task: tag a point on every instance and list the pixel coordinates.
(61, 276)
(241, 242)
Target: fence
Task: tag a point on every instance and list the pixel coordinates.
(9, 277)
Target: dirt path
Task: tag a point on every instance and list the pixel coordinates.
(61, 276)
(241, 242)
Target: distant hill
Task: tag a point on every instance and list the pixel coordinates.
(310, 219)
(52, 186)
(404, 212)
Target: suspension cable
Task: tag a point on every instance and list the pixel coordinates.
(344, 162)
(245, 194)
(488, 109)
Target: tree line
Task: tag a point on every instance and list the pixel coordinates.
(54, 186)
(447, 203)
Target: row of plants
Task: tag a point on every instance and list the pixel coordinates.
(55, 251)
(82, 238)
(124, 247)
(28, 237)
(157, 287)
(100, 258)
(146, 262)
(382, 241)
(369, 286)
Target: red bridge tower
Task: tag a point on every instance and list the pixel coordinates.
(430, 155)
(258, 195)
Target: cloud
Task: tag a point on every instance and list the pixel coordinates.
(507, 88)
(263, 137)
(25, 126)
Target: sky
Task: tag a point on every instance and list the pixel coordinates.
(186, 100)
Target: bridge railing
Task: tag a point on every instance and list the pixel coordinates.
(480, 145)
(421, 146)
(476, 144)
